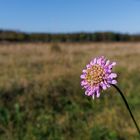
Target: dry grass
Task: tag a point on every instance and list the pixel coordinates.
(31, 72)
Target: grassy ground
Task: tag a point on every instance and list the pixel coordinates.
(41, 97)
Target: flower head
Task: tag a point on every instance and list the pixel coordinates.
(98, 76)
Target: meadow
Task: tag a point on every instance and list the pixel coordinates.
(41, 97)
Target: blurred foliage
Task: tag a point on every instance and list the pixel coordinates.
(14, 36)
(55, 48)
(41, 97)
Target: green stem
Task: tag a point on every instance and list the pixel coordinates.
(125, 101)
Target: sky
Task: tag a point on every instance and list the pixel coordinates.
(63, 16)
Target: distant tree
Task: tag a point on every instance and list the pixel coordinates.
(11, 36)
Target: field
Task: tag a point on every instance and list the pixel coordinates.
(41, 97)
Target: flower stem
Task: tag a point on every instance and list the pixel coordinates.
(125, 101)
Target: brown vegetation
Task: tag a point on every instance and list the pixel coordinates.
(41, 97)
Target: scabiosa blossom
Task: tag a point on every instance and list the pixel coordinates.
(98, 76)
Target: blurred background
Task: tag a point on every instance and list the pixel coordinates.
(44, 45)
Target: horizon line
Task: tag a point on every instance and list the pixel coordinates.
(67, 32)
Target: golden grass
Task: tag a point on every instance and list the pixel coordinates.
(37, 64)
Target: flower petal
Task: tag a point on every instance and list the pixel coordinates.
(113, 75)
(98, 94)
(84, 71)
(83, 76)
(93, 96)
(83, 83)
(113, 63)
(91, 63)
(95, 60)
(103, 85)
(114, 82)
(99, 61)
(88, 65)
(107, 63)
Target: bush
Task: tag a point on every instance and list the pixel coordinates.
(55, 48)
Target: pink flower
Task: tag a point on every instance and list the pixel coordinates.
(98, 76)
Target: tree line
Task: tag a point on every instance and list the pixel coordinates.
(14, 36)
